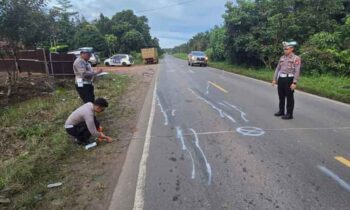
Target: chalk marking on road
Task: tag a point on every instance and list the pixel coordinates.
(228, 117)
(173, 112)
(233, 131)
(166, 121)
(222, 113)
(343, 160)
(218, 86)
(141, 179)
(250, 131)
(191, 71)
(243, 114)
(335, 177)
(224, 105)
(291, 129)
(208, 86)
(180, 136)
(204, 157)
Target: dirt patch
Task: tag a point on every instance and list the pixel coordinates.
(28, 87)
(90, 181)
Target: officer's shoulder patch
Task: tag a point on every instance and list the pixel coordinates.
(297, 61)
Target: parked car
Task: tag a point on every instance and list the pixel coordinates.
(94, 59)
(119, 60)
(197, 57)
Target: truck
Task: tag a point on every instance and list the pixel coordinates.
(149, 55)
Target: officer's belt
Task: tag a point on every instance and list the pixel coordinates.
(286, 75)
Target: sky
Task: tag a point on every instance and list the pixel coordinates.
(173, 22)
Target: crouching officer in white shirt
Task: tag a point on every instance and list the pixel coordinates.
(287, 75)
(84, 75)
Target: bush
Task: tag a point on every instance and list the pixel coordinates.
(59, 49)
(324, 53)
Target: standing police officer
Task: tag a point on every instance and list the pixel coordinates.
(84, 75)
(287, 74)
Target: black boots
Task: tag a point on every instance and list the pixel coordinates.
(279, 114)
(287, 117)
(284, 117)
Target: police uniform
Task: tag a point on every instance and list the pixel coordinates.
(287, 73)
(84, 75)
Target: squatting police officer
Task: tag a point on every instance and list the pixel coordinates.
(84, 75)
(287, 75)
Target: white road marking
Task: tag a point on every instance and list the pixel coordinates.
(250, 131)
(335, 177)
(166, 121)
(191, 71)
(173, 112)
(179, 135)
(222, 113)
(208, 86)
(224, 105)
(141, 180)
(228, 117)
(243, 114)
(205, 158)
(233, 131)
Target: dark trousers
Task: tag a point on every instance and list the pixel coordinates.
(284, 92)
(81, 132)
(86, 93)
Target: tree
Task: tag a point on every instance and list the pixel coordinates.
(63, 25)
(112, 43)
(216, 50)
(132, 41)
(104, 25)
(89, 36)
(21, 24)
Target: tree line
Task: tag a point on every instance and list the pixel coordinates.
(253, 31)
(27, 24)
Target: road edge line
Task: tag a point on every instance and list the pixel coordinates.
(141, 180)
(123, 196)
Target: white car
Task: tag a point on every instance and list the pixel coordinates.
(119, 60)
(94, 59)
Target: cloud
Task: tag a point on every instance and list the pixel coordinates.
(172, 22)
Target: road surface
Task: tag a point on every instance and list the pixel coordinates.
(213, 143)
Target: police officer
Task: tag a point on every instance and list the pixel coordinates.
(287, 75)
(84, 75)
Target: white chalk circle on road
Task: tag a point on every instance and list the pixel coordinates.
(250, 131)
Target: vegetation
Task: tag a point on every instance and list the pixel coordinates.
(30, 24)
(254, 30)
(34, 144)
(327, 85)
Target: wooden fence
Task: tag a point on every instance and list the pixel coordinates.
(40, 61)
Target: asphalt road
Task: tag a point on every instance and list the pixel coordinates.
(215, 144)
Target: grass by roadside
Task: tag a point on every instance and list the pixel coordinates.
(34, 144)
(180, 55)
(337, 88)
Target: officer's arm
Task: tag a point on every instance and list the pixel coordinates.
(89, 74)
(79, 69)
(276, 71)
(90, 122)
(297, 65)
